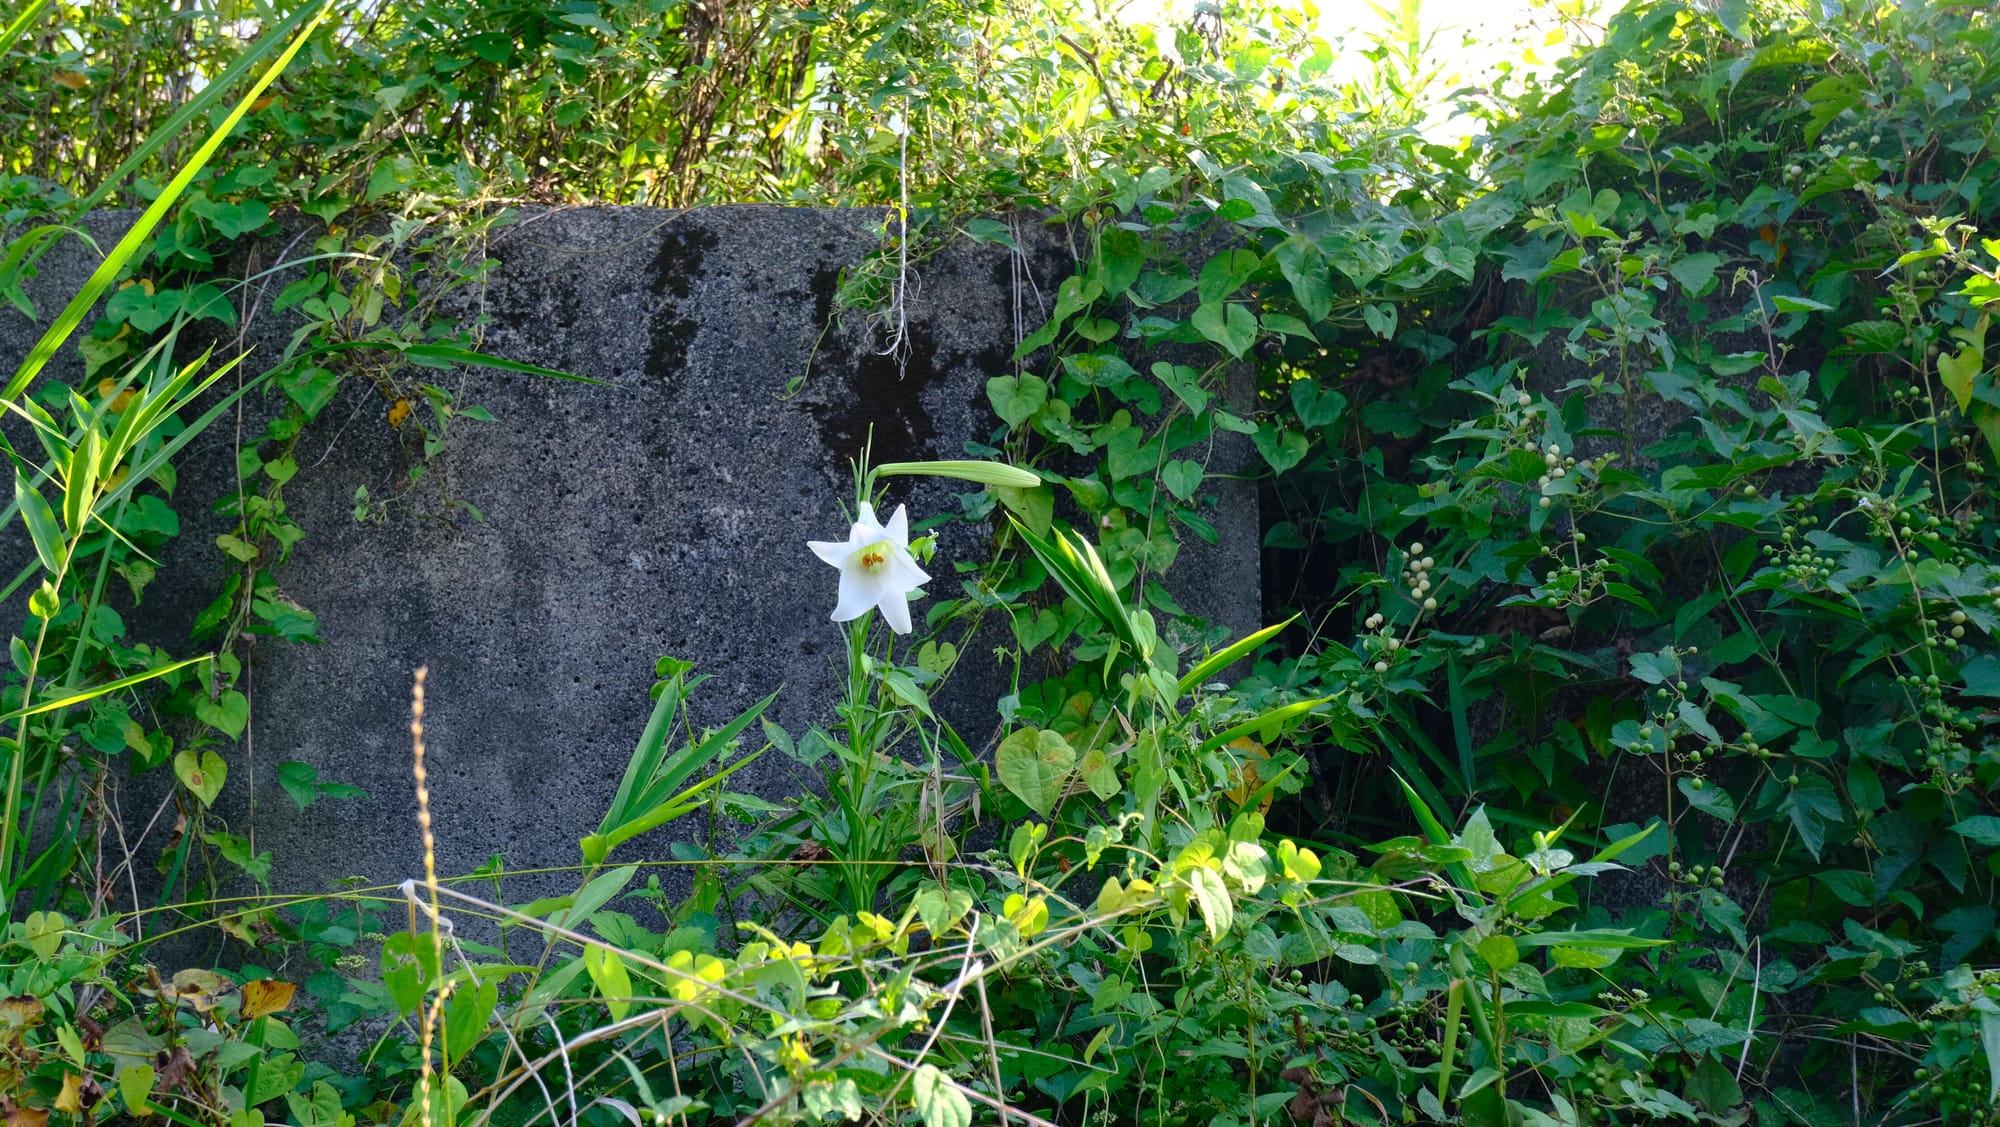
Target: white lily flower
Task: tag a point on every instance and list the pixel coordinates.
(876, 568)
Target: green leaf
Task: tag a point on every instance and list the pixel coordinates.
(41, 522)
(1230, 326)
(1381, 319)
(1282, 448)
(44, 602)
(990, 231)
(1305, 268)
(1499, 951)
(1229, 655)
(938, 1100)
(1184, 382)
(1217, 910)
(1709, 798)
(1316, 404)
(1035, 507)
(201, 774)
(1181, 477)
(1016, 399)
(1223, 274)
(300, 27)
(940, 908)
(301, 782)
(1989, 1041)
(1696, 271)
(1035, 765)
(1958, 371)
(1983, 829)
(227, 713)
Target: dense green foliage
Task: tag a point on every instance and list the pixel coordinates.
(1629, 467)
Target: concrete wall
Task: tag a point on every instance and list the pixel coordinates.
(665, 513)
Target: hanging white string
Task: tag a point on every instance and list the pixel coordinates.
(898, 311)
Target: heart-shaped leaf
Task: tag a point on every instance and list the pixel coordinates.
(1225, 273)
(1183, 381)
(1230, 326)
(1305, 267)
(227, 713)
(202, 775)
(1100, 775)
(1317, 406)
(1181, 477)
(1034, 765)
(1016, 398)
(1381, 318)
(1282, 448)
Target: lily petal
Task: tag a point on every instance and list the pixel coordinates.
(834, 552)
(896, 611)
(903, 574)
(899, 527)
(859, 592)
(866, 528)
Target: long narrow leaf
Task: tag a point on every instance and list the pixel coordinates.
(194, 107)
(1435, 832)
(680, 767)
(1276, 715)
(598, 846)
(645, 760)
(19, 26)
(1228, 655)
(114, 263)
(41, 522)
(96, 691)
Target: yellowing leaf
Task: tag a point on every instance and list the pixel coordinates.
(399, 411)
(70, 1099)
(1299, 863)
(201, 774)
(266, 996)
(1246, 773)
(614, 982)
(1098, 773)
(45, 932)
(1217, 910)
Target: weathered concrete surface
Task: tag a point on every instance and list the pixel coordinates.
(665, 513)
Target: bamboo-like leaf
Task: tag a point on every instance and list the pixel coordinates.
(96, 691)
(1436, 833)
(1082, 575)
(41, 522)
(19, 26)
(107, 271)
(1273, 716)
(80, 483)
(196, 106)
(439, 354)
(1228, 655)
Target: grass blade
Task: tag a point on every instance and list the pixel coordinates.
(114, 263)
(1223, 658)
(19, 27)
(96, 691)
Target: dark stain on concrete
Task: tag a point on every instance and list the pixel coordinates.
(675, 269)
(881, 394)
